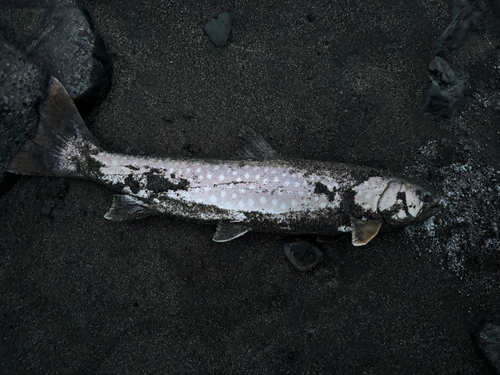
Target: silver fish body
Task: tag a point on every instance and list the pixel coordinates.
(272, 195)
(268, 194)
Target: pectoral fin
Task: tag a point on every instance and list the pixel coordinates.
(125, 207)
(229, 231)
(364, 230)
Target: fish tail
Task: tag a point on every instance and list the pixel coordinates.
(62, 142)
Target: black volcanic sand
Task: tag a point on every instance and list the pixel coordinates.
(338, 81)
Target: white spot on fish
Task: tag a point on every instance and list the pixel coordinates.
(263, 200)
(252, 187)
(209, 176)
(276, 179)
(233, 196)
(286, 183)
(213, 199)
(322, 205)
(257, 176)
(241, 191)
(316, 199)
(238, 179)
(274, 202)
(283, 206)
(247, 175)
(296, 184)
(293, 203)
(188, 170)
(241, 204)
(216, 168)
(221, 177)
(250, 202)
(198, 170)
(223, 194)
(265, 181)
(235, 173)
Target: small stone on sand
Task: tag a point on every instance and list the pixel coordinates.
(487, 337)
(218, 29)
(303, 255)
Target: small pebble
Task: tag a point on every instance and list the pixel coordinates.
(303, 255)
(487, 338)
(218, 29)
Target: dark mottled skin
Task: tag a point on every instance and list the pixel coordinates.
(319, 188)
(134, 186)
(158, 183)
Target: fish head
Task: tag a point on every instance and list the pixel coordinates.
(405, 201)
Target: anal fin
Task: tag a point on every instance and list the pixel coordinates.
(125, 207)
(364, 230)
(229, 231)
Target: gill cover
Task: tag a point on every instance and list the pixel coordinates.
(405, 201)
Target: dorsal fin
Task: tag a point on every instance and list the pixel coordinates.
(256, 148)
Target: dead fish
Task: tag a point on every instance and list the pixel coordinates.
(258, 191)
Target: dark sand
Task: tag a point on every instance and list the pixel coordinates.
(339, 81)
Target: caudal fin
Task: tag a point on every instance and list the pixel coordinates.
(62, 142)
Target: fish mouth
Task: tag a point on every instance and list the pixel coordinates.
(431, 211)
(434, 209)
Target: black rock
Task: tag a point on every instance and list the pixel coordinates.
(303, 255)
(218, 29)
(447, 89)
(487, 338)
(465, 20)
(22, 85)
(58, 36)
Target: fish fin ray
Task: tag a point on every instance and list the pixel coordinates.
(60, 128)
(257, 147)
(229, 231)
(364, 231)
(125, 207)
